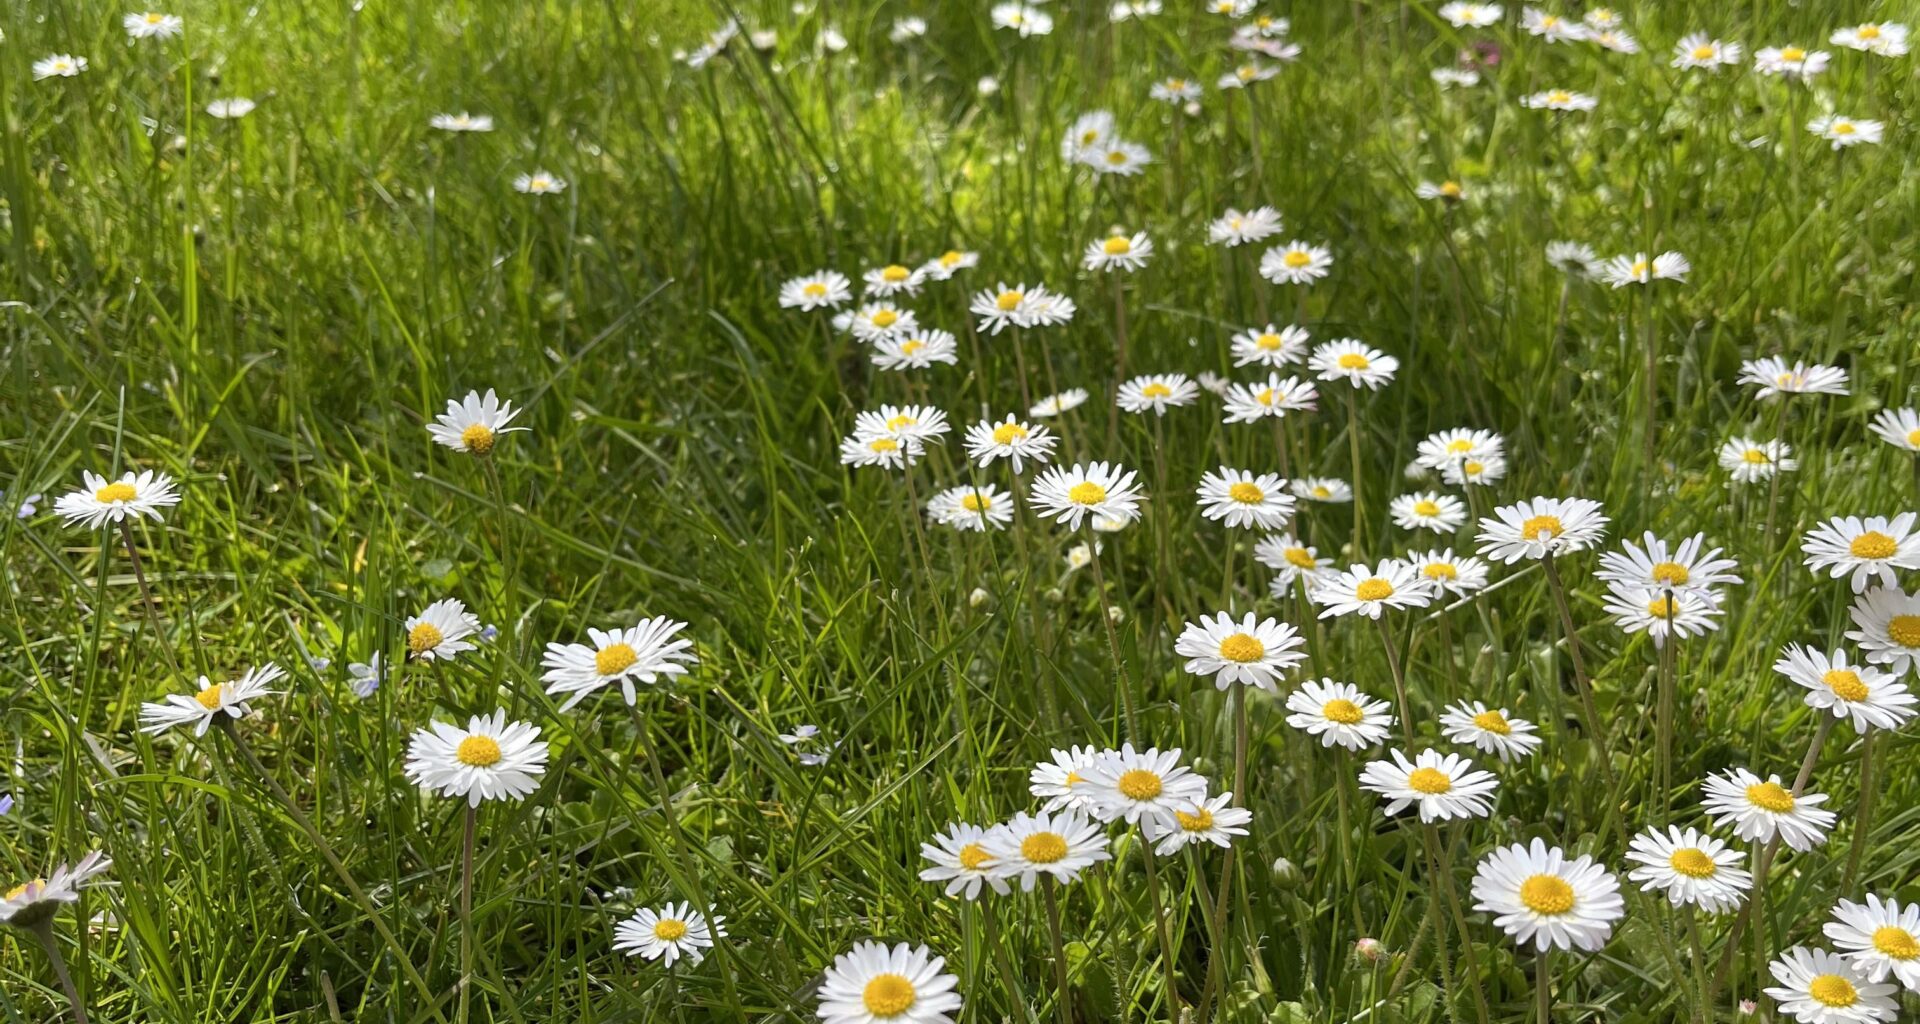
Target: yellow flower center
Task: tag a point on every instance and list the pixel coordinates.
(1904, 630)
(1770, 796)
(1703, 53)
(888, 995)
(1300, 558)
(1321, 491)
(1833, 990)
(1270, 342)
(614, 659)
(1547, 894)
(973, 857)
(1246, 493)
(1783, 380)
(1423, 507)
(1073, 779)
(155, 17)
(885, 318)
(478, 438)
(1867, 32)
(1007, 433)
(1459, 446)
(1116, 156)
(478, 751)
(1246, 72)
(16, 891)
(1693, 863)
(1043, 847)
(1242, 649)
(1639, 269)
(1841, 128)
(1353, 361)
(974, 501)
(1441, 571)
(1542, 528)
(1493, 722)
(1661, 608)
(1117, 245)
(1431, 781)
(669, 930)
(1550, 22)
(1873, 545)
(1138, 784)
(884, 444)
(1897, 943)
(814, 289)
(424, 637)
(1559, 96)
(1155, 390)
(911, 345)
(1266, 396)
(1200, 821)
(902, 421)
(1472, 468)
(1296, 258)
(1009, 301)
(209, 697)
(1177, 84)
(1671, 573)
(115, 492)
(1234, 223)
(1845, 684)
(1793, 53)
(951, 257)
(1450, 189)
(1754, 456)
(1913, 438)
(895, 273)
(1375, 589)
(1343, 711)
(1086, 492)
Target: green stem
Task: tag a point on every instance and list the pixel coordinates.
(1063, 1006)
(43, 931)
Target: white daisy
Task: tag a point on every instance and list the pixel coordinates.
(675, 930)
(1068, 495)
(60, 65)
(441, 631)
(1455, 78)
(1817, 987)
(1292, 560)
(1879, 938)
(1700, 51)
(1243, 499)
(1296, 263)
(1444, 571)
(872, 984)
(1156, 393)
(1551, 27)
(1751, 461)
(883, 450)
(1884, 38)
(1119, 252)
(1539, 527)
(1059, 844)
(1790, 61)
(876, 320)
(1355, 362)
(1010, 439)
(1236, 227)
(1866, 695)
(1441, 787)
(1760, 810)
(915, 350)
(919, 423)
(1141, 786)
(1246, 74)
(1621, 271)
(1682, 569)
(1371, 591)
(1442, 449)
(210, 701)
(474, 423)
(99, 502)
(972, 508)
(1489, 730)
(152, 25)
(1131, 10)
(1208, 820)
(1324, 489)
(1090, 130)
(1475, 472)
(1842, 132)
(1573, 258)
(1271, 346)
(1899, 427)
(31, 903)
(1558, 99)
(822, 289)
(461, 122)
(1466, 15)
(1428, 510)
(1061, 782)
(1339, 713)
(1001, 307)
(540, 183)
(1276, 396)
(907, 29)
(949, 263)
(1055, 405)
(1126, 159)
(1536, 894)
(1659, 612)
(491, 759)
(640, 653)
(1448, 191)
(894, 279)
(230, 108)
(1023, 19)
(1175, 90)
(1614, 39)
(1775, 377)
(959, 858)
(1691, 867)
(1866, 548)
(1252, 652)
(1888, 621)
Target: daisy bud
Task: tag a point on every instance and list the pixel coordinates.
(1115, 614)
(978, 597)
(1369, 950)
(1055, 595)
(1286, 874)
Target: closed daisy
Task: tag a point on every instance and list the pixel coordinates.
(1251, 652)
(972, 508)
(441, 631)
(1700, 51)
(1749, 460)
(915, 350)
(1276, 396)
(1621, 271)
(667, 934)
(209, 701)
(1099, 488)
(1866, 695)
(1145, 785)
(1243, 499)
(642, 653)
(1841, 132)
(1371, 591)
(1760, 810)
(1880, 938)
(32, 903)
(1340, 714)
(1324, 489)
(152, 25)
(1009, 439)
(1899, 427)
(1236, 227)
(1817, 987)
(1490, 730)
(1538, 896)
(540, 183)
(1558, 99)
(1867, 548)
(1441, 787)
(1539, 527)
(1775, 377)
(894, 279)
(474, 423)
(99, 502)
(1296, 263)
(491, 759)
(959, 858)
(1693, 868)
(1655, 563)
(872, 984)
(1661, 613)
(1292, 560)
(1061, 781)
(1269, 346)
(1209, 820)
(1442, 570)
(1428, 510)
(1157, 392)
(1354, 362)
(1057, 844)
(1055, 405)
(1118, 252)
(822, 289)
(1887, 627)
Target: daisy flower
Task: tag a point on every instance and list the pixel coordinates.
(640, 653)
(1455, 78)
(1246, 74)
(1371, 591)
(230, 108)
(822, 289)
(872, 984)
(1444, 448)
(441, 631)
(1137, 786)
(1324, 489)
(1879, 938)
(1659, 612)
(1244, 499)
(1001, 307)
(667, 934)
(1601, 17)
(1790, 61)
(1061, 781)
(1088, 131)
(32, 903)
(1339, 713)
(883, 450)
(1022, 19)
(1870, 547)
(1097, 488)
(1441, 787)
(152, 25)
(1817, 987)
(1751, 461)
(1128, 10)
(1691, 867)
(474, 423)
(1475, 472)
(1539, 527)
(1292, 559)
(99, 502)
(1275, 396)
(1208, 820)
(1761, 810)
(1009, 439)
(1428, 510)
(876, 320)
(970, 508)
(949, 263)
(1537, 895)
(1465, 15)
(1119, 252)
(1231, 8)
(1236, 227)
(1551, 27)
(1621, 271)
(60, 65)
(1558, 99)
(918, 350)
(540, 183)
(1885, 39)
(1295, 263)
(1889, 628)
(1444, 571)
(1842, 132)
(491, 759)
(1700, 51)
(1446, 191)
(1489, 730)
(1055, 405)
(210, 701)
(959, 858)
(1156, 393)
(1573, 258)
(1059, 844)
(461, 122)
(1175, 90)
(1355, 362)
(1682, 569)
(918, 423)
(1271, 346)
(1775, 377)
(906, 29)
(1899, 427)
(1866, 695)
(894, 279)
(1125, 159)
(1616, 40)
(1251, 652)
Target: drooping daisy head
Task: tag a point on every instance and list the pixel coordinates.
(971, 508)
(30, 904)
(1296, 262)
(1575, 259)
(1490, 730)
(1069, 495)
(1339, 713)
(209, 701)
(1817, 987)
(1243, 499)
(99, 501)
(1863, 548)
(1868, 696)
(1880, 938)
(491, 759)
(1010, 439)
(673, 931)
(874, 984)
(1269, 346)
(1761, 809)
(1440, 786)
(1541, 527)
(822, 289)
(441, 631)
(474, 424)
(1059, 845)
(959, 858)
(230, 108)
(1135, 786)
(1251, 652)
(1059, 404)
(1691, 867)
(1371, 591)
(1887, 627)
(1156, 393)
(1538, 895)
(642, 653)
(1748, 460)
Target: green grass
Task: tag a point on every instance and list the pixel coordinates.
(270, 309)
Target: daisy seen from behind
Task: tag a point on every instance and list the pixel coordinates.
(32, 903)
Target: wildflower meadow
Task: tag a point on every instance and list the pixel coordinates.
(929, 511)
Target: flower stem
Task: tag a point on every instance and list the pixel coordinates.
(1399, 678)
(1160, 925)
(1443, 863)
(146, 595)
(1113, 639)
(991, 926)
(1353, 447)
(43, 931)
(466, 909)
(1542, 985)
(1062, 1006)
(1596, 726)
